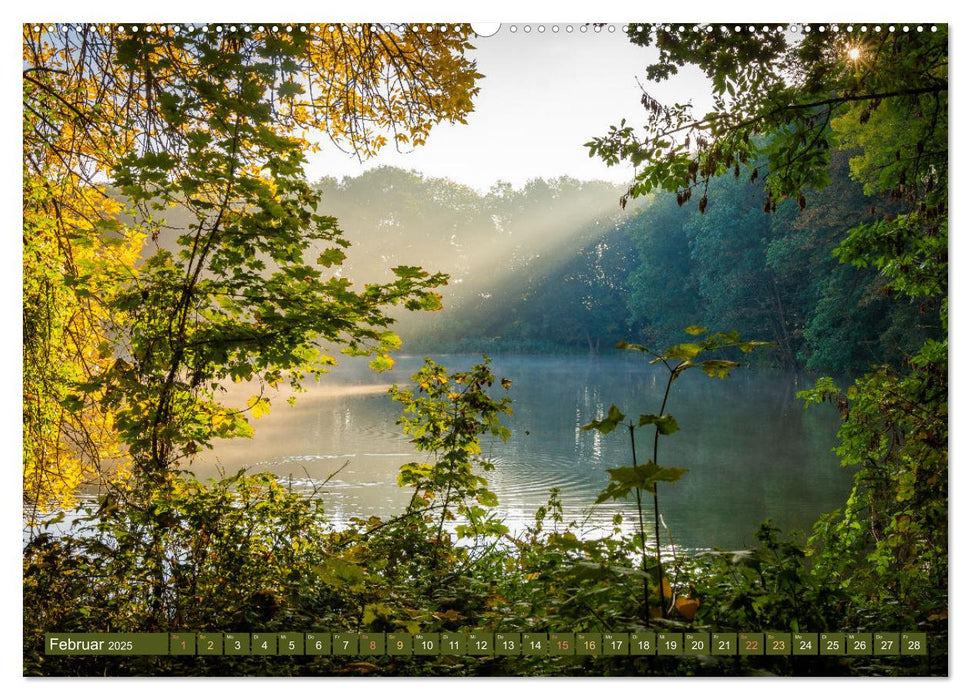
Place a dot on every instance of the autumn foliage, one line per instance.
(165, 209)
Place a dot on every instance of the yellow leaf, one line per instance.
(259, 406)
(687, 607)
(449, 615)
(667, 589)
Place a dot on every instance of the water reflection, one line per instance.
(753, 452)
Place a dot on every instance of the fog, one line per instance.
(340, 439)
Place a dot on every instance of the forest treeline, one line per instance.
(559, 266)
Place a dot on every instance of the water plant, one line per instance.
(445, 415)
(645, 476)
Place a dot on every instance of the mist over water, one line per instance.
(752, 450)
(504, 252)
(537, 268)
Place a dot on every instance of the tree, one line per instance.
(728, 246)
(66, 340)
(774, 275)
(884, 93)
(664, 285)
(215, 124)
(445, 414)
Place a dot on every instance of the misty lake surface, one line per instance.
(752, 450)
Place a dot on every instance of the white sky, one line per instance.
(543, 95)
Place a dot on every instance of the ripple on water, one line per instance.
(737, 479)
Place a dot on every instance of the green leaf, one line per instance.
(330, 257)
(624, 345)
(382, 363)
(643, 476)
(72, 402)
(108, 225)
(413, 473)
(684, 351)
(431, 301)
(608, 424)
(750, 345)
(413, 626)
(408, 272)
(718, 368)
(487, 498)
(666, 424)
(338, 573)
(56, 519)
(696, 330)
(289, 88)
(375, 611)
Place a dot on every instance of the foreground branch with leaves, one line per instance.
(781, 109)
(646, 476)
(171, 240)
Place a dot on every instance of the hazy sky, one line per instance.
(543, 96)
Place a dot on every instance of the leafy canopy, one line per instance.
(789, 102)
(170, 234)
(882, 96)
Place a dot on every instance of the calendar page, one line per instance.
(434, 348)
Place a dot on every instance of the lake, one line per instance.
(752, 450)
